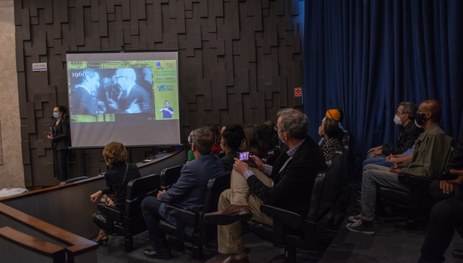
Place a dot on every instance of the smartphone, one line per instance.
(244, 156)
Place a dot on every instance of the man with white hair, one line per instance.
(133, 98)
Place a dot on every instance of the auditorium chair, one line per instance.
(170, 175)
(129, 222)
(190, 226)
(291, 230)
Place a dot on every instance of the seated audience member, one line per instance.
(119, 175)
(338, 115)
(260, 141)
(446, 214)
(275, 150)
(293, 176)
(409, 132)
(331, 143)
(188, 192)
(190, 155)
(216, 134)
(231, 139)
(428, 160)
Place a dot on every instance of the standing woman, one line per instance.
(59, 136)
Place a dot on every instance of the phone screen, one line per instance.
(244, 156)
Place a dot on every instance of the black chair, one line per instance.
(130, 221)
(170, 175)
(190, 226)
(291, 230)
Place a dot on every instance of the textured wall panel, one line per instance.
(239, 61)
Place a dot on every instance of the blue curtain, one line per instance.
(364, 57)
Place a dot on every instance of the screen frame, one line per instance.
(102, 56)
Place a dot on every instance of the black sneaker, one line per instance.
(365, 227)
(354, 218)
(162, 254)
(457, 253)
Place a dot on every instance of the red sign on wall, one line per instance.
(298, 92)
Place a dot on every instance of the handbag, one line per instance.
(108, 199)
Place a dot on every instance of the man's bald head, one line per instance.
(433, 107)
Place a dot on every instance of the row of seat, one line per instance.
(130, 222)
(290, 230)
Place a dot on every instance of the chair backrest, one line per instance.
(326, 190)
(137, 190)
(170, 175)
(215, 187)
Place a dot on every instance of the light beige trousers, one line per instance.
(230, 236)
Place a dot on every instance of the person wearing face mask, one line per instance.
(428, 161)
(290, 185)
(409, 132)
(60, 140)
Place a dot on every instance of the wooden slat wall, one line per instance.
(239, 61)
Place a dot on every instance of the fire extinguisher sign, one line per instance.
(298, 92)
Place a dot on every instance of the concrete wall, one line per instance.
(11, 168)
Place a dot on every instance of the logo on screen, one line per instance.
(170, 64)
(164, 87)
(159, 65)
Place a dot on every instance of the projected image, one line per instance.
(111, 91)
(120, 91)
(167, 111)
(129, 97)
